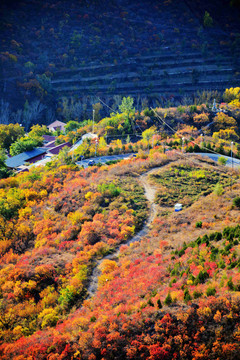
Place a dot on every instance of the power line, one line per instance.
(187, 156)
(163, 120)
(165, 123)
(117, 113)
(125, 135)
(106, 105)
(203, 147)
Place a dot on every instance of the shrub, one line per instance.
(198, 224)
(211, 291)
(226, 231)
(237, 231)
(236, 202)
(168, 300)
(197, 294)
(49, 317)
(150, 303)
(159, 304)
(214, 250)
(191, 277)
(207, 20)
(205, 239)
(199, 240)
(173, 281)
(222, 160)
(109, 189)
(218, 190)
(211, 236)
(192, 109)
(221, 264)
(187, 296)
(202, 276)
(67, 297)
(230, 236)
(218, 236)
(230, 284)
(181, 252)
(227, 248)
(12, 57)
(29, 65)
(148, 112)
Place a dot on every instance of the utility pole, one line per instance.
(95, 148)
(183, 145)
(93, 121)
(232, 162)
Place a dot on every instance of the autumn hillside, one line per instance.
(96, 261)
(173, 294)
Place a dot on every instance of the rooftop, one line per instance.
(49, 138)
(57, 125)
(20, 159)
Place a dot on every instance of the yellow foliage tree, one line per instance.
(223, 121)
(235, 103)
(231, 94)
(201, 118)
(227, 134)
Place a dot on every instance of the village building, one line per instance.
(57, 125)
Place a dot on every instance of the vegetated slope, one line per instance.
(142, 48)
(185, 183)
(54, 224)
(161, 299)
(150, 194)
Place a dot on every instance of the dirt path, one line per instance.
(150, 195)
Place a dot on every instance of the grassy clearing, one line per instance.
(185, 183)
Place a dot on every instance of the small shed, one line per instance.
(178, 207)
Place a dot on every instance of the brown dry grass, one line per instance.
(215, 212)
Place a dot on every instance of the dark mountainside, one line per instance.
(156, 51)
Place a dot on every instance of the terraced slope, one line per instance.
(133, 48)
(180, 55)
(158, 73)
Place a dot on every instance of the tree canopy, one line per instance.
(9, 134)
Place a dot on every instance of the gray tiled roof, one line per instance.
(20, 159)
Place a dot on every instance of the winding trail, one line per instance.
(150, 195)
